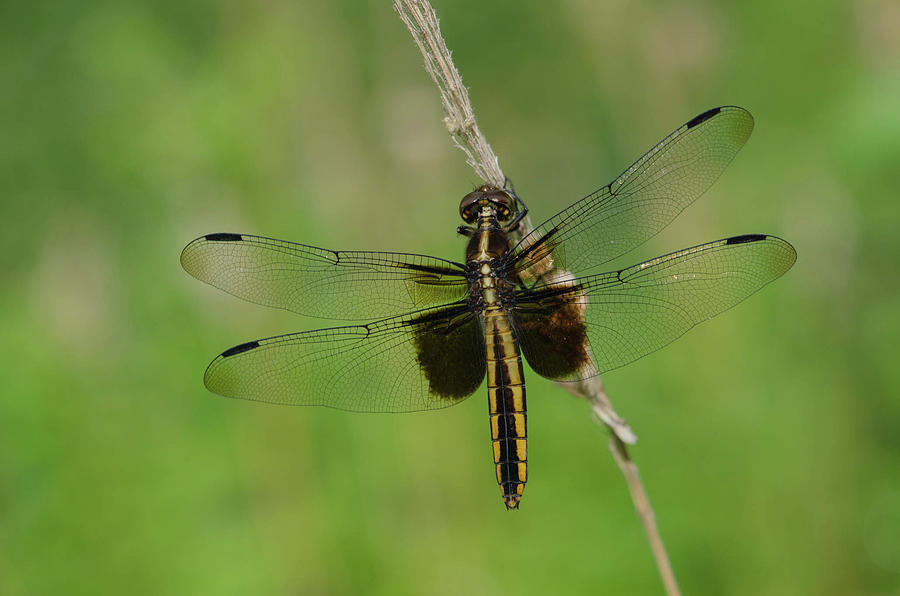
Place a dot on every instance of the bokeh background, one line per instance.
(769, 437)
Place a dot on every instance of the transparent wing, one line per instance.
(346, 285)
(578, 328)
(643, 200)
(422, 361)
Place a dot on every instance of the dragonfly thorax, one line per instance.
(488, 241)
(486, 272)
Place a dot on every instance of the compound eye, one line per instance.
(505, 207)
(466, 207)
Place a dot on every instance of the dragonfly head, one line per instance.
(488, 201)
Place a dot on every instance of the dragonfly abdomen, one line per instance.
(506, 400)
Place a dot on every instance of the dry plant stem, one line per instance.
(592, 390)
(620, 433)
(422, 22)
(645, 512)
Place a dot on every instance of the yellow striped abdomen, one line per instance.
(506, 398)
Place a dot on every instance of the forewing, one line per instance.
(574, 329)
(643, 200)
(344, 285)
(426, 360)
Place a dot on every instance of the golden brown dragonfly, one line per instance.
(430, 330)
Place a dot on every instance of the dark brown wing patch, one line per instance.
(450, 351)
(549, 325)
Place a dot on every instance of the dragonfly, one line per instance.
(423, 333)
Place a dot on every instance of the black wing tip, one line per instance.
(701, 118)
(223, 237)
(745, 238)
(217, 237)
(790, 253)
(239, 349)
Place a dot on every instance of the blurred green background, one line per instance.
(769, 437)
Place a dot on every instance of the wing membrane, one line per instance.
(426, 360)
(643, 200)
(346, 285)
(574, 329)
